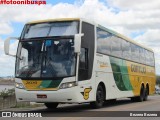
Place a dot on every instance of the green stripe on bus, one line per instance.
(120, 73)
(51, 83)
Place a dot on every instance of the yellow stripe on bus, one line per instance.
(139, 74)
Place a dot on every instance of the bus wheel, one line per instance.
(100, 97)
(146, 94)
(139, 98)
(51, 105)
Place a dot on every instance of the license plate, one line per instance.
(41, 96)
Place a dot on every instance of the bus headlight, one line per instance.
(19, 85)
(67, 85)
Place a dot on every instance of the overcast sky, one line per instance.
(136, 19)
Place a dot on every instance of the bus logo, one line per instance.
(86, 93)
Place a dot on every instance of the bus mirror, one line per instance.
(77, 43)
(7, 45)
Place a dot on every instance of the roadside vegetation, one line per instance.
(8, 100)
(5, 93)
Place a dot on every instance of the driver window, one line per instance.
(83, 63)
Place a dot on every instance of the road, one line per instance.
(120, 108)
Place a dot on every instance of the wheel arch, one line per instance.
(142, 84)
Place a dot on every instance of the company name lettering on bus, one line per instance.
(31, 82)
(139, 69)
(102, 64)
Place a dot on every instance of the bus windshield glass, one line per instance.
(51, 58)
(50, 29)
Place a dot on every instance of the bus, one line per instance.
(72, 60)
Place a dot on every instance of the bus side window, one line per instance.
(126, 50)
(83, 60)
(116, 48)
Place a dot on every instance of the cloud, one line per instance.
(135, 4)
(150, 38)
(7, 63)
(136, 16)
(5, 28)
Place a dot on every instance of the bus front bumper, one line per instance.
(69, 95)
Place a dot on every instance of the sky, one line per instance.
(136, 19)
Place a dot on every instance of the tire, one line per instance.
(146, 93)
(134, 99)
(141, 97)
(100, 97)
(51, 105)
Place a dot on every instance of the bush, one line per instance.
(6, 93)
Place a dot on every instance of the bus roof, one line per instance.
(100, 26)
(53, 20)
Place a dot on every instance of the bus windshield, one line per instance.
(51, 58)
(50, 29)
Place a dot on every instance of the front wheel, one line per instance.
(51, 105)
(100, 97)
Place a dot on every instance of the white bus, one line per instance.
(76, 61)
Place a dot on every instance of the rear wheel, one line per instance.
(100, 97)
(141, 97)
(146, 93)
(51, 105)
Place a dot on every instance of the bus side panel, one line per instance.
(123, 78)
(141, 74)
(117, 84)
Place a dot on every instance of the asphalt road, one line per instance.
(121, 109)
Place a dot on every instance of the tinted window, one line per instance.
(152, 59)
(135, 52)
(83, 59)
(109, 44)
(87, 43)
(116, 47)
(149, 58)
(126, 49)
(142, 55)
(51, 29)
(103, 41)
